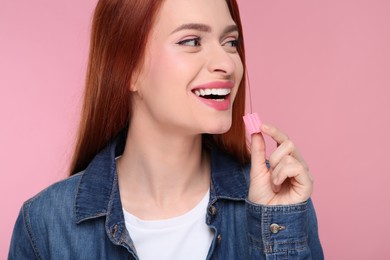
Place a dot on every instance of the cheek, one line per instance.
(170, 67)
(239, 69)
(238, 74)
(168, 78)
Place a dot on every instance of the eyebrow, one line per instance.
(204, 28)
(230, 28)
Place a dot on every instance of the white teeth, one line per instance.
(223, 91)
(213, 91)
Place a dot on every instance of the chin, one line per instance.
(220, 128)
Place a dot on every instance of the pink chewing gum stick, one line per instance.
(252, 123)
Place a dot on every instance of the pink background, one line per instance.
(319, 70)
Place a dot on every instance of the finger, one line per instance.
(286, 148)
(290, 167)
(274, 133)
(258, 154)
(276, 188)
(280, 137)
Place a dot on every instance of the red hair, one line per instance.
(119, 35)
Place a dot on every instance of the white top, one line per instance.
(183, 237)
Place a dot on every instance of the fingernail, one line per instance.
(265, 127)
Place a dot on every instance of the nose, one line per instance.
(220, 61)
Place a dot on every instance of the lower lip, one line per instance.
(218, 105)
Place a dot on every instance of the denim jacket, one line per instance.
(81, 217)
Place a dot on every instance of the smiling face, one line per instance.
(192, 69)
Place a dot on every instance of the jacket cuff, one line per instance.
(278, 228)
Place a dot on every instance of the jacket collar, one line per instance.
(98, 191)
(229, 179)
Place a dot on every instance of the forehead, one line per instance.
(173, 13)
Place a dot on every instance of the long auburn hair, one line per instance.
(120, 31)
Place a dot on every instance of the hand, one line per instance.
(288, 180)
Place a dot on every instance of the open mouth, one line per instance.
(219, 94)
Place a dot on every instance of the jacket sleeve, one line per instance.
(21, 244)
(283, 232)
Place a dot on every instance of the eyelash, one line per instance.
(197, 41)
(186, 42)
(235, 43)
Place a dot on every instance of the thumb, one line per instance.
(258, 155)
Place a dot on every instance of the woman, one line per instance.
(161, 169)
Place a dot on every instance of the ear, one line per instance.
(134, 82)
(133, 87)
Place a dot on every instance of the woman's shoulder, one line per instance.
(57, 197)
(47, 222)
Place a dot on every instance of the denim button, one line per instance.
(213, 210)
(114, 230)
(219, 238)
(275, 228)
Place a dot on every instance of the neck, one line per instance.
(162, 168)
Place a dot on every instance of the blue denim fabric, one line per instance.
(81, 218)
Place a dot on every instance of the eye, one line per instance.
(193, 42)
(232, 43)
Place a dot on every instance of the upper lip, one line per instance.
(215, 84)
